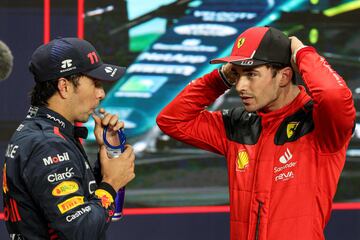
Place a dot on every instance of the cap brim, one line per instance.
(238, 60)
(106, 72)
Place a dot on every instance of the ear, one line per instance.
(63, 87)
(286, 76)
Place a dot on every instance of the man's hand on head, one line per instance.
(228, 73)
(296, 45)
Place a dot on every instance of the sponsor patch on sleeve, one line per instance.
(105, 197)
(65, 188)
(70, 203)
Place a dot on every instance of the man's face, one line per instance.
(86, 97)
(257, 88)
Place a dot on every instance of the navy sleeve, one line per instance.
(55, 176)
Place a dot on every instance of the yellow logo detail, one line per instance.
(105, 197)
(241, 42)
(70, 203)
(65, 188)
(5, 187)
(290, 128)
(242, 160)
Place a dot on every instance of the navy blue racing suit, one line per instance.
(49, 188)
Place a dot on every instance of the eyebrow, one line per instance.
(253, 69)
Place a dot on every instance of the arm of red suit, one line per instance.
(334, 112)
(186, 118)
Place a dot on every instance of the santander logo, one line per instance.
(285, 157)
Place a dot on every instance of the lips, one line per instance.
(246, 99)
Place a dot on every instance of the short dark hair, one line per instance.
(277, 67)
(42, 91)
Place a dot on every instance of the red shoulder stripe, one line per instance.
(57, 132)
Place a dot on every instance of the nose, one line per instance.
(242, 84)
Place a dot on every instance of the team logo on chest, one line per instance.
(242, 160)
(285, 171)
(286, 156)
(290, 128)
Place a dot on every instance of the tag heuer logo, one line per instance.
(290, 128)
(241, 42)
(242, 160)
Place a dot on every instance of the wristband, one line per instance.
(223, 77)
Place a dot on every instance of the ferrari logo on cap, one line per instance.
(290, 128)
(240, 42)
(242, 160)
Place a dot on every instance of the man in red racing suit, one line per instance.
(285, 148)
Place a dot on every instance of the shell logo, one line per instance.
(242, 161)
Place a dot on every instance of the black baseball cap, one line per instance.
(257, 46)
(67, 56)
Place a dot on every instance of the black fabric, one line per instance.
(274, 48)
(245, 128)
(303, 121)
(241, 126)
(80, 132)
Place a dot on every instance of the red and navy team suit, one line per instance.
(50, 190)
(283, 166)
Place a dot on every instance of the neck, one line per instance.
(58, 105)
(286, 96)
(289, 95)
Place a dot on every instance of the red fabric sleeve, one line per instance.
(334, 112)
(186, 118)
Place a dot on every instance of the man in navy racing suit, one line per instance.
(50, 189)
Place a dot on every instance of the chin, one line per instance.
(83, 120)
(250, 108)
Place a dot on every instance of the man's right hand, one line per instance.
(109, 120)
(296, 44)
(120, 170)
(228, 73)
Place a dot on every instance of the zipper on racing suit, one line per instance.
(258, 222)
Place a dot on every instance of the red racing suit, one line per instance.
(283, 166)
